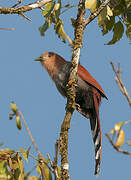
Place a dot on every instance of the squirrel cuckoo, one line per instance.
(88, 94)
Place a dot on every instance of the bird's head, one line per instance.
(47, 56)
(52, 62)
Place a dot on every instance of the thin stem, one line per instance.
(7, 29)
(115, 147)
(120, 82)
(29, 133)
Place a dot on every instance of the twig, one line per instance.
(35, 146)
(120, 83)
(19, 1)
(29, 133)
(25, 17)
(55, 165)
(97, 12)
(7, 28)
(115, 147)
(42, 170)
(51, 163)
(25, 8)
(41, 159)
(70, 107)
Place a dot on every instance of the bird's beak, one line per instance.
(38, 59)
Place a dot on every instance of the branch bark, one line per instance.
(70, 107)
(96, 13)
(23, 9)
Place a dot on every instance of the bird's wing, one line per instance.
(86, 76)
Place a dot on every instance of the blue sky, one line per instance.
(28, 84)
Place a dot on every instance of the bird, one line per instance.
(88, 94)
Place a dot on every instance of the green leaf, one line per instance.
(25, 153)
(48, 8)
(17, 164)
(28, 151)
(41, 166)
(21, 167)
(43, 28)
(118, 31)
(4, 169)
(60, 31)
(118, 7)
(105, 21)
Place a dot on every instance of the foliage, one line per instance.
(118, 134)
(12, 167)
(11, 161)
(115, 18)
(51, 13)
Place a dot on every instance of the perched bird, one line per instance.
(88, 94)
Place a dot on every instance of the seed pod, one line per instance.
(13, 107)
(11, 116)
(18, 122)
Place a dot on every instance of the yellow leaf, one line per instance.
(57, 5)
(33, 178)
(109, 13)
(118, 126)
(90, 3)
(120, 139)
(13, 107)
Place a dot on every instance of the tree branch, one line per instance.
(25, 8)
(115, 147)
(120, 83)
(97, 12)
(7, 29)
(70, 107)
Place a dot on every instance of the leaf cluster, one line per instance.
(115, 17)
(12, 166)
(51, 13)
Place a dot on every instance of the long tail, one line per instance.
(93, 115)
(96, 133)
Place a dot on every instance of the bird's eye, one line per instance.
(50, 54)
